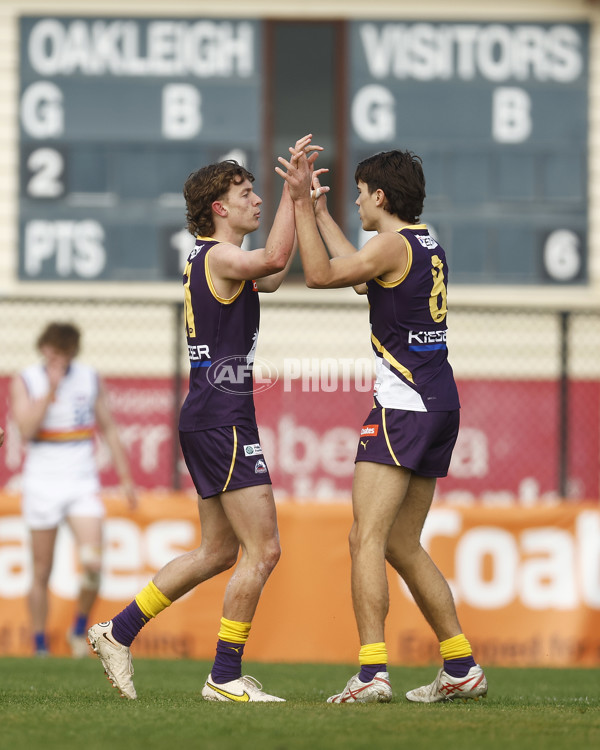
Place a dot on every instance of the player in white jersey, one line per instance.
(58, 404)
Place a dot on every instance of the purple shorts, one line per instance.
(421, 441)
(224, 458)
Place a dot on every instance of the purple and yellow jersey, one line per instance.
(408, 330)
(221, 336)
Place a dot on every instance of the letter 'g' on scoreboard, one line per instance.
(114, 114)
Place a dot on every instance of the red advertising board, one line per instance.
(507, 449)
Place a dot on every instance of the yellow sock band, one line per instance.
(151, 601)
(234, 632)
(455, 648)
(373, 653)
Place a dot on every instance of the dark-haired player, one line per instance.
(217, 427)
(408, 437)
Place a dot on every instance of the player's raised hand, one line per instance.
(317, 190)
(305, 146)
(299, 169)
(56, 365)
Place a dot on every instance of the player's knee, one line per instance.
(229, 558)
(353, 537)
(223, 555)
(359, 541)
(90, 557)
(271, 553)
(402, 556)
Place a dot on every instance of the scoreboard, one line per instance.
(114, 115)
(498, 112)
(116, 112)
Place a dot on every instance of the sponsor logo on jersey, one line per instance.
(253, 450)
(369, 429)
(427, 241)
(199, 355)
(419, 341)
(197, 249)
(261, 467)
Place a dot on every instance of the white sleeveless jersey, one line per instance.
(64, 448)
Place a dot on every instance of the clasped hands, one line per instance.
(300, 175)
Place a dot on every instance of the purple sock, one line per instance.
(128, 623)
(459, 667)
(368, 671)
(228, 662)
(80, 625)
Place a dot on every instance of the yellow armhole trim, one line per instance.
(232, 458)
(387, 284)
(387, 439)
(211, 286)
(392, 360)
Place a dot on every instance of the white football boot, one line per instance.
(115, 658)
(446, 688)
(378, 690)
(244, 690)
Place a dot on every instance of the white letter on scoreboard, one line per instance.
(181, 116)
(511, 115)
(42, 114)
(373, 114)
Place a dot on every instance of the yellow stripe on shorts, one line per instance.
(387, 438)
(232, 458)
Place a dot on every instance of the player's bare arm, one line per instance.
(110, 433)
(272, 283)
(381, 256)
(335, 240)
(29, 413)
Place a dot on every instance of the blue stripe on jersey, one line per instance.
(426, 347)
(205, 363)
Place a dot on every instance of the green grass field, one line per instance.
(62, 703)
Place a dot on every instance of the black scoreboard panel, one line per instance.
(116, 112)
(114, 115)
(498, 112)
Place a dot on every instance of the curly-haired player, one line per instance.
(217, 428)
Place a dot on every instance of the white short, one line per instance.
(46, 504)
